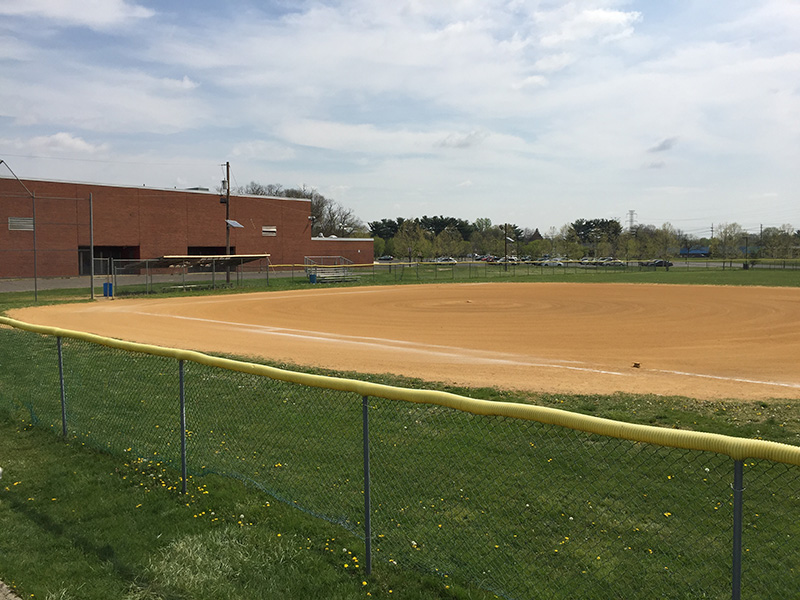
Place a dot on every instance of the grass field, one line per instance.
(697, 273)
(114, 494)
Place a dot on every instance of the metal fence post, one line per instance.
(367, 510)
(738, 476)
(182, 393)
(63, 389)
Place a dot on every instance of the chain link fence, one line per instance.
(469, 490)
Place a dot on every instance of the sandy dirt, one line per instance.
(699, 341)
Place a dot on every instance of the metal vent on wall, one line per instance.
(20, 223)
(269, 231)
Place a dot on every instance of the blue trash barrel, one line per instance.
(108, 289)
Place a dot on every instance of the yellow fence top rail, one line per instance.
(736, 448)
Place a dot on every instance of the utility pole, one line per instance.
(227, 208)
(505, 251)
(227, 219)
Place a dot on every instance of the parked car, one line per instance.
(386, 258)
(445, 259)
(552, 262)
(657, 262)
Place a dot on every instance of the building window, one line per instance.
(20, 223)
(269, 231)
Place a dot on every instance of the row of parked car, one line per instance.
(547, 261)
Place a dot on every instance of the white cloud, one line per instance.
(262, 150)
(100, 99)
(534, 81)
(96, 14)
(462, 140)
(52, 145)
(178, 85)
(569, 24)
(554, 62)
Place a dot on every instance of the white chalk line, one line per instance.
(456, 354)
(731, 379)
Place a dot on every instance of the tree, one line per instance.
(257, 189)
(725, 244)
(437, 225)
(601, 235)
(412, 240)
(665, 241)
(776, 242)
(385, 228)
(484, 236)
(328, 217)
(449, 242)
(332, 219)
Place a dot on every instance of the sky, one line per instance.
(532, 112)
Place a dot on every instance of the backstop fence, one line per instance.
(524, 501)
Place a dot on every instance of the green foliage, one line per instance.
(593, 230)
(78, 524)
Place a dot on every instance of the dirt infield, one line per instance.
(698, 341)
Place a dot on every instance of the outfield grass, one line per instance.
(78, 524)
(386, 274)
(98, 538)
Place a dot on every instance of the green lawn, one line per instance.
(386, 274)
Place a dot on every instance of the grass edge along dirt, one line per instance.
(736, 448)
(428, 273)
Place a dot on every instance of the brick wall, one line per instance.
(154, 221)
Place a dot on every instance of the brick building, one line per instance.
(142, 223)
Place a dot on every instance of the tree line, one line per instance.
(432, 236)
(449, 236)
